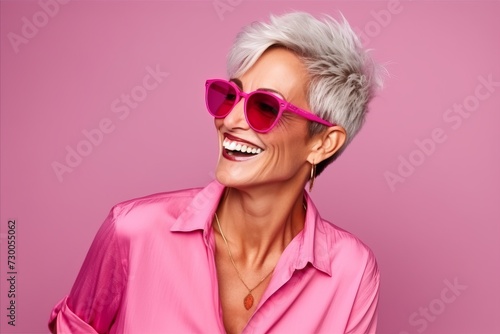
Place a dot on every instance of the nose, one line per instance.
(236, 117)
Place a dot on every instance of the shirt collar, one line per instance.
(314, 244)
(198, 215)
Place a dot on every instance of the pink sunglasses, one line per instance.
(262, 109)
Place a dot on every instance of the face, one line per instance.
(279, 155)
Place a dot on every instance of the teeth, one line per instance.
(244, 148)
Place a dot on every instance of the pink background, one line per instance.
(440, 225)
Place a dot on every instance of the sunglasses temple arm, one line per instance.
(307, 115)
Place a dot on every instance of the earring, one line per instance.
(312, 177)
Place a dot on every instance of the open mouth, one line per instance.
(238, 149)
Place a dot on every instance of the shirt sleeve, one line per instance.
(94, 300)
(363, 317)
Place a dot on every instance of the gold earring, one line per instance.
(312, 177)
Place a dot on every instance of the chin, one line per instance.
(230, 177)
(236, 177)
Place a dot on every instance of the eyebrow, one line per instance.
(240, 85)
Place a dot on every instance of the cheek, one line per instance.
(289, 143)
(290, 132)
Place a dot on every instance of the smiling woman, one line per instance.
(249, 252)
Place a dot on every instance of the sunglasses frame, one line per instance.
(283, 106)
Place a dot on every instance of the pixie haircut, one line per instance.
(342, 75)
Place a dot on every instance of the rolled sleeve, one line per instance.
(64, 321)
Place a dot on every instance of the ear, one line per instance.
(325, 144)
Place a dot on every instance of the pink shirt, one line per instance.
(151, 269)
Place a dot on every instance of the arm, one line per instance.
(94, 301)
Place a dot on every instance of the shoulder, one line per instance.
(153, 211)
(346, 249)
(169, 201)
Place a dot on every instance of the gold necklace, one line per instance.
(248, 300)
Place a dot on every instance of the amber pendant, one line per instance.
(248, 301)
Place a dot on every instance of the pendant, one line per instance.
(248, 301)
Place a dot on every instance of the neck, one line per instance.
(260, 222)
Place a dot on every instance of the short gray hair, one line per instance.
(343, 76)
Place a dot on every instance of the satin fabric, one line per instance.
(151, 269)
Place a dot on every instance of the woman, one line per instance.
(249, 253)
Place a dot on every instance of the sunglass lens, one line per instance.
(262, 111)
(221, 97)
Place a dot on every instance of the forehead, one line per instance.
(278, 69)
